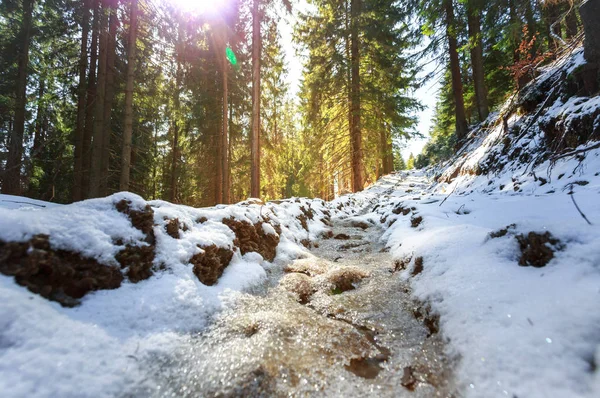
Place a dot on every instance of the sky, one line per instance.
(426, 94)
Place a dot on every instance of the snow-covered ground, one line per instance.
(514, 329)
(93, 349)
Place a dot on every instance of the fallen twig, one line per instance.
(578, 209)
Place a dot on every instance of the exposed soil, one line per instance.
(537, 249)
(210, 263)
(57, 275)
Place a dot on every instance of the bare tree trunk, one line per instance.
(255, 137)
(457, 87)
(356, 137)
(481, 93)
(108, 98)
(98, 130)
(349, 82)
(89, 106)
(589, 11)
(224, 133)
(39, 138)
(128, 130)
(11, 183)
(81, 101)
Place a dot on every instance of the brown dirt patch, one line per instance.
(537, 249)
(252, 238)
(57, 275)
(210, 263)
(344, 279)
(418, 268)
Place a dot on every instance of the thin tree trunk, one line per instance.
(481, 93)
(457, 87)
(356, 137)
(89, 106)
(128, 130)
(81, 100)
(97, 135)
(39, 137)
(175, 122)
(224, 133)
(255, 137)
(108, 98)
(11, 183)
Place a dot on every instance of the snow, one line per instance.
(519, 331)
(95, 348)
(514, 331)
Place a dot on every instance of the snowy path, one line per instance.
(357, 342)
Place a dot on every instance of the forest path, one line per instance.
(338, 323)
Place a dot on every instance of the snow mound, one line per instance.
(159, 255)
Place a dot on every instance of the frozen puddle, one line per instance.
(308, 334)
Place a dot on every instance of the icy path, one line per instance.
(317, 341)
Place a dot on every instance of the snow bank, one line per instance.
(94, 349)
(516, 331)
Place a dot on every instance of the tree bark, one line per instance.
(98, 130)
(109, 96)
(39, 138)
(81, 101)
(356, 136)
(90, 106)
(589, 11)
(476, 46)
(457, 87)
(255, 135)
(128, 123)
(224, 132)
(176, 122)
(11, 183)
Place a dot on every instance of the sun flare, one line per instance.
(197, 6)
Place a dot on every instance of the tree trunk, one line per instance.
(476, 46)
(589, 11)
(89, 106)
(39, 138)
(356, 137)
(128, 123)
(98, 130)
(81, 101)
(255, 138)
(571, 21)
(12, 176)
(224, 133)
(109, 96)
(457, 87)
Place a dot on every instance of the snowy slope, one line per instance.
(517, 331)
(93, 349)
